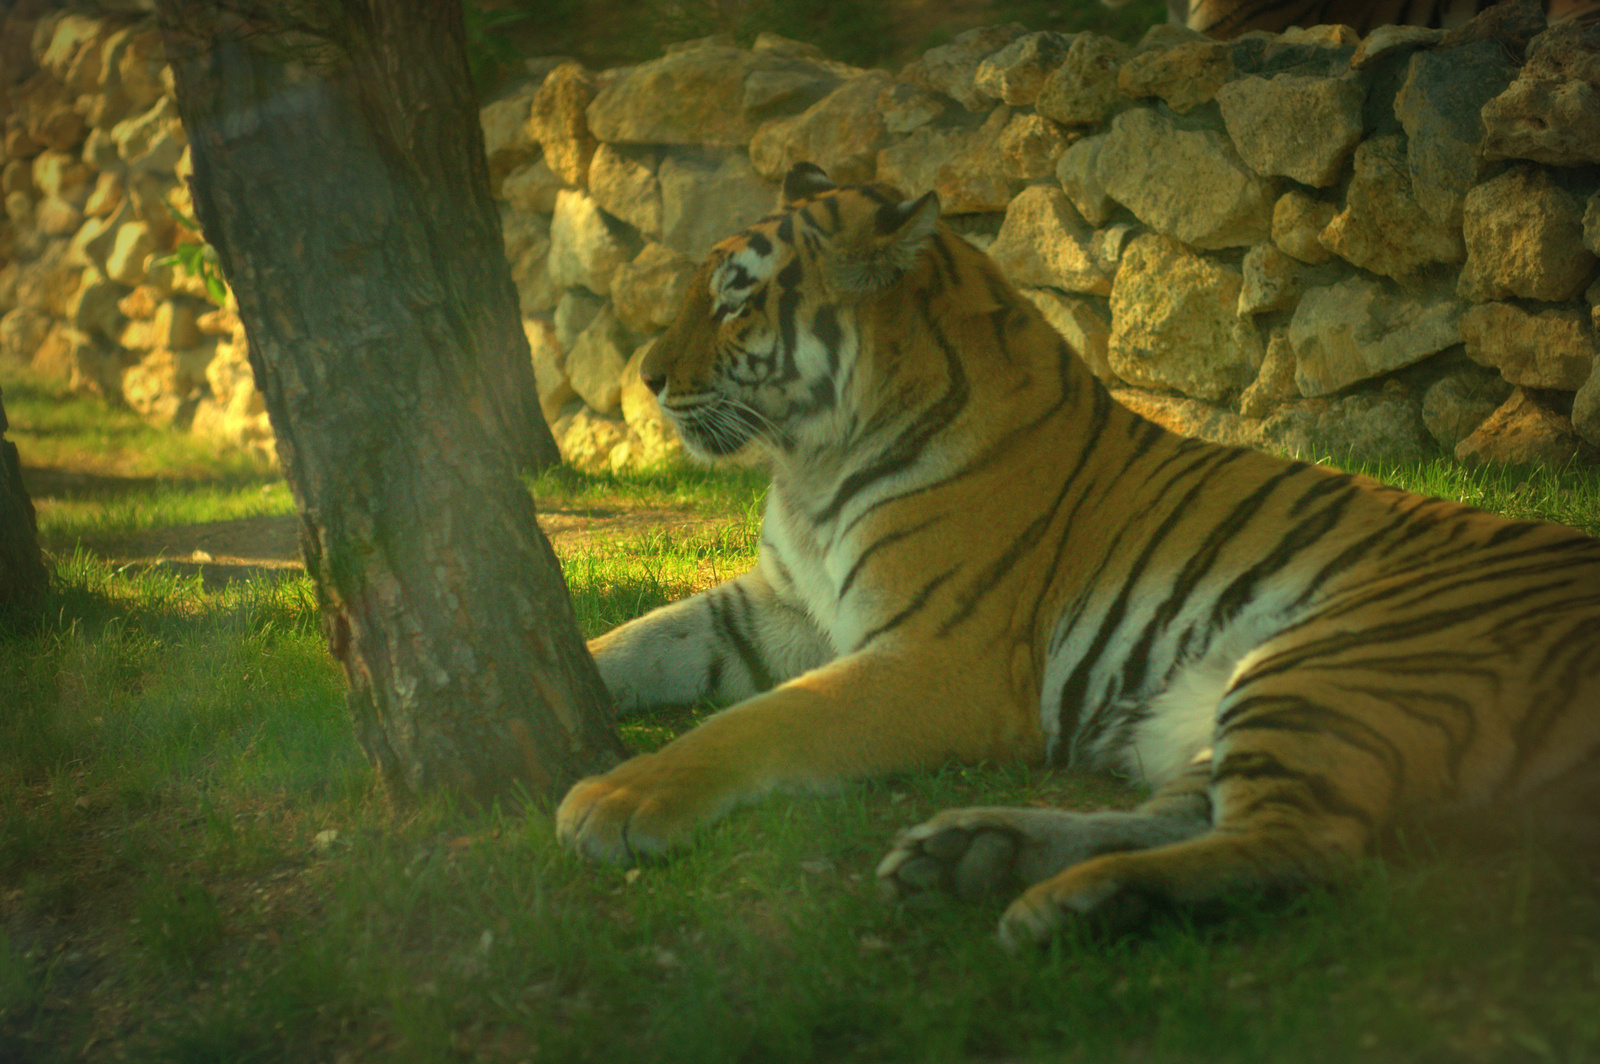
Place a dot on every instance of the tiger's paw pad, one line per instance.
(937, 860)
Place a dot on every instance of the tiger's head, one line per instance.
(766, 347)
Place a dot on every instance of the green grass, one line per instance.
(194, 866)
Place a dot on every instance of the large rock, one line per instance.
(979, 178)
(575, 311)
(549, 368)
(527, 241)
(706, 196)
(73, 48)
(906, 108)
(132, 248)
(1586, 408)
(1272, 281)
(1187, 183)
(558, 122)
(623, 181)
(911, 164)
(1175, 323)
(1438, 106)
(1190, 417)
(1459, 401)
(588, 440)
(1551, 113)
(1298, 221)
(153, 141)
(1083, 90)
(506, 144)
(1524, 237)
(93, 307)
(586, 244)
(532, 187)
(1046, 243)
(1030, 146)
(1361, 328)
(1383, 426)
(594, 365)
(1184, 76)
(1553, 348)
(651, 438)
(133, 62)
(1078, 171)
(1521, 431)
(951, 68)
(1015, 74)
(841, 133)
(1274, 384)
(708, 93)
(1293, 126)
(1382, 228)
(61, 175)
(647, 293)
(22, 330)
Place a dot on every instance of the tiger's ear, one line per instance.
(872, 258)
(803, 181)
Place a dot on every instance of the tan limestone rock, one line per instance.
(647, 292)
(1362, 328)
(1083, 89)
(1524, 237)
(1015, 74)
(1174, 322)
(1046, 243)
(1382, 227)
(950, 69)
(1521, 431)
(558, 122)
(1294, 126)
(1187, 183)
(1551, 348)
(1184, 76)
(1457, 403)
(1274, 384)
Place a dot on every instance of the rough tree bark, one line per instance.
(22, 574)
(339, 173)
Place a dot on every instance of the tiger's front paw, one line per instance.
(644, 806)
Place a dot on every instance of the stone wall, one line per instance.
(93, 173)
(1307, 242)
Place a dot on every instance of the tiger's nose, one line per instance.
(654, 381)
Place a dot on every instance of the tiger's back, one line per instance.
(970, 551)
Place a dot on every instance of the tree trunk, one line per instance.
(23, 579)
(339, 173)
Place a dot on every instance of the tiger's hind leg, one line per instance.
(991, 851)
(1295, 801)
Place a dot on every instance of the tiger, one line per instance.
(1226, 19)
(971, 553)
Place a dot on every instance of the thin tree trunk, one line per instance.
(23, 579)
(339, 173)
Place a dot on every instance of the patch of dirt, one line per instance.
(222, 551)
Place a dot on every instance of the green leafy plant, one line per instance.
(196, 258)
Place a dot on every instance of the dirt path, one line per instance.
(221, 551)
